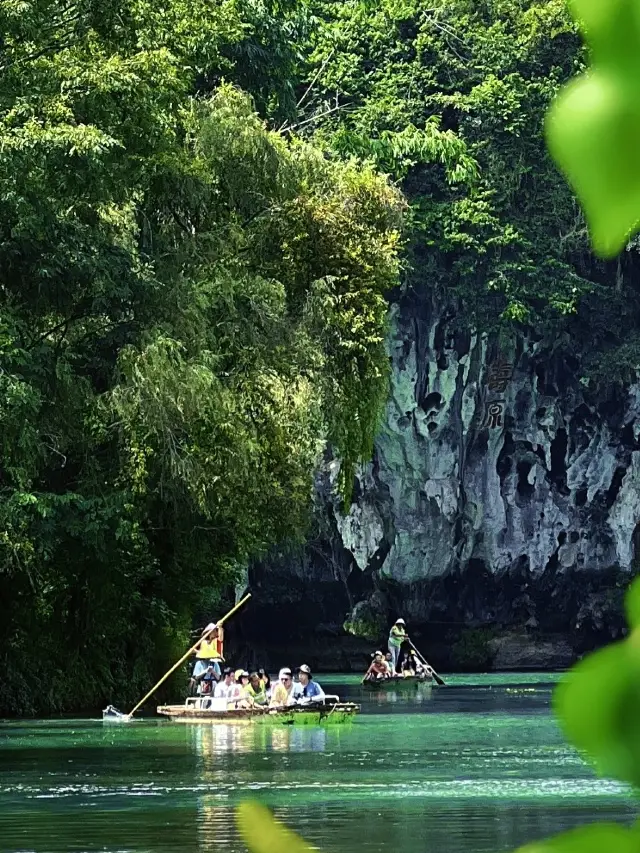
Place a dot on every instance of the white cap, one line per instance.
(210, 627)
(284, 671)
(400, 622)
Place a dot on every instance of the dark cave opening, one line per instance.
(558, 473)
(504, 463)
(524, 488)
(614, 488)
(432, 401)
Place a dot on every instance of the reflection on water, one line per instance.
(215, 821)
(414, 693)
(474, 767)
(210, 741)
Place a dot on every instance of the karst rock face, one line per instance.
(503, 495)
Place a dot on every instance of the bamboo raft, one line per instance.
(330, 712)
(397, 682)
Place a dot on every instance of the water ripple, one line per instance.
(479, 769)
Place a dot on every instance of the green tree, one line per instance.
(450, 100)
(191, 307)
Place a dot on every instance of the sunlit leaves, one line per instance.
(450, 99)
(593, 129)
(396, 152)
(192, 306)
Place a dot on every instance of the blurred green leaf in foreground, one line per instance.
(593, 128)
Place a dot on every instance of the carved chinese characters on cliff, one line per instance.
(500, 373)
(495, 415)
(499, 376)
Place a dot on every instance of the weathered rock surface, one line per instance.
(502, 493)
(520, 651)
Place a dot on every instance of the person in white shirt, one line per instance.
(226, 688)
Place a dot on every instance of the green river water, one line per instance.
(476, 766)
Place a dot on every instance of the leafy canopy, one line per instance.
(451, 100)
(191, 307)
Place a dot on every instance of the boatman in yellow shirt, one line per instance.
(209, 652)
(397, 636)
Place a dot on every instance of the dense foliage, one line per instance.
(196, 249)
(496, 230)
(190, 307)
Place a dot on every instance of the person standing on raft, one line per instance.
(397, 636)
(209, 653)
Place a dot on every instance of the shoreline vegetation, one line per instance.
(205, 210)
(193, 306)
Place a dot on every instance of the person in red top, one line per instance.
(378, 670)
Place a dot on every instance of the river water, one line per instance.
(476, 766)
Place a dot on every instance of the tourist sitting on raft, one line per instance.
(242, 697)
(226, 688)
(207, 681)
(408, 666)
(378, 670)
(282, 690)
(257, 690)
(307, 690)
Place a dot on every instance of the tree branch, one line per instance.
(317, 117)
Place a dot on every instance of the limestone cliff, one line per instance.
(503, 499)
